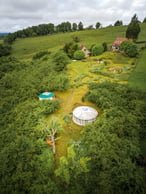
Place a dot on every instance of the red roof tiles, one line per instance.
(119, 41)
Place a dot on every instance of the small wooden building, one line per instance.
(85, 50)
(116, 44)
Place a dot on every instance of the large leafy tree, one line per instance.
(74, 27)
(98, 25)
(118, 23)
(4, 50)
(80, 26)
(70, 48)
(133, 28)
(129, 48)
(61, 60)
(72, 171)
(144, 20)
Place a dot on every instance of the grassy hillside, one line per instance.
(138, 77)
(26, 48)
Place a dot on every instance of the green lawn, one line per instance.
(138, 77)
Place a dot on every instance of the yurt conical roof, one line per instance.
(46, 95)
(84, 114)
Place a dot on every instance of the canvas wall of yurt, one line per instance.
(84, 114)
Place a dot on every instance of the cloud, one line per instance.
(18, 14)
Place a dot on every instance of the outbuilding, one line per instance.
(46, 96)
(84, 114)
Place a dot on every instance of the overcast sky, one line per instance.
(18, 14)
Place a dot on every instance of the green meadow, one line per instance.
(138, 76)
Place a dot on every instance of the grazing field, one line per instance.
(138, 76)
(27, 47)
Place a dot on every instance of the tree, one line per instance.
(80, 26)
(133, 28)
(104, 44)
(144, 20)
(61, 60)
(129, 48)
(4, 50)
(97, 50)
(49, 106)
(118, 23)
(72, 171)
(52, 131)
(90, 27)
(98, 25)
(110, 138)
(79, 55)
(70, 48)
(134, 18)
(74, 27)
(10, 38)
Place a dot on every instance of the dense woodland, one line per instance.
(107, 158)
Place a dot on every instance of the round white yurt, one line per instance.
(46, 96)
(84, 114)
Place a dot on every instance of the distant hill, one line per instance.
(3, 34)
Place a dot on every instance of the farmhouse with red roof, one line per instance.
(116, 44)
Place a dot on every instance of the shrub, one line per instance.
(129, 48)
(70, 48)
(76, 39)
(79, 55)
(61, 60)
(41, 54)
(4, 50)
(97, 50)
(104, 44)
(49, 106)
